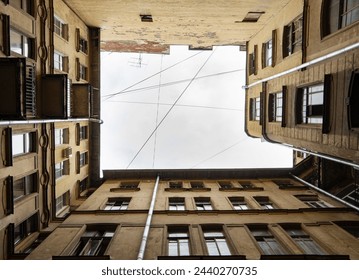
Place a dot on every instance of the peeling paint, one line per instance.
(133, 46)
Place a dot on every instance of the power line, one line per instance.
(177, 105)
(173, 105)
(108, 96)
(158, 106)
(174, 82)
(221, 152)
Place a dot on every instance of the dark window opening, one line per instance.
(146, 18)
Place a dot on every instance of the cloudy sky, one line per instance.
(198, 112)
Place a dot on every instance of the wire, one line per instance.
(221, 152)
(175, 82)
(158, 106)
(178, 105)
(173, 105)
(108, 96)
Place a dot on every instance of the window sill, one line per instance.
(24, 244)
(60, 37)
(63, 212)
(124, 190)
(22, 200)
(200, 189)
(314, 126)
(20, 157)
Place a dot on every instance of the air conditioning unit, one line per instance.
(18, 88)
(67, 153)
(56, 96)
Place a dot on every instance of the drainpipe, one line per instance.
(324, 192)
(141, 252)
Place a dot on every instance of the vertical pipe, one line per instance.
(141, 252)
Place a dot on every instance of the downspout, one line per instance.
(141, 252)
(324, 192)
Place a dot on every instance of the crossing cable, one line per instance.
(158, 107)
(178, 105)
(221, 152)
(173, 105)
(175, 82)
(108, 96)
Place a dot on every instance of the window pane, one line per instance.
(184, 247)
(212, 248)
(15, 42)
(309, 246)
(172, 248)
(223, 247)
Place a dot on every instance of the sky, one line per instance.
(195, 119)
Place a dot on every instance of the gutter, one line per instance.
(141, 252)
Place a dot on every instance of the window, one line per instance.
(216, 243)
(303, 240)
(239, 203)
(225, 185)
(178, 241)
(26, 228)
(252, 16)
(176, 204)
(255, 109)
(83, 159)
(83, 72)
(176, 185)
(21, 44)
(146, 18)
(25, 186)
(203, 203)
(61, 136)
(129, 185)
(338, 14)
(353, 104)
(61, 169)
(94, 241)
(62, 201)
(267, 51)
(117, 203)
(83, 45)
(25, 5)
(252, 63)
(292, 37)
(83, 133)
(309, 107)
(264, 202)
(275, 107)
(313, 201)
(197, 185)
(83, 185)
(266, 241)
(60, 61)
(23, 143)
(247, 185)
(60, 28)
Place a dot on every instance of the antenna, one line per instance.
(137, 61)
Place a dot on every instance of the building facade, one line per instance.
(205, 214)
(50, 80)
(301, 79)
(299, 93)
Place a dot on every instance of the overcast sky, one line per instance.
(205, 129)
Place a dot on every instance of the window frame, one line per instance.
(267, 53)
(266, 241)
(265, 202)
(60, 28)
(176, 204)
(239, 203)
(62, 203)
(274, 106)
(28, 185)
(313, 201)
(331, 24)
(292, 37)
(117, 204)
(303, 240)
(26, 44)
(203, 204)
(29, 143)
(178, 235)
(214, 237)
(61, 169)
